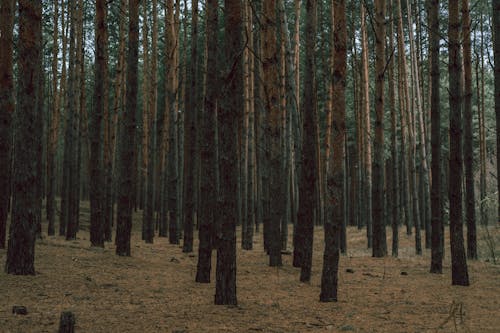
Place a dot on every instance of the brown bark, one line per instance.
(436, 206)
(126, 179)
(458, 260)
(335, 172)
(7, 106)
(21, 244)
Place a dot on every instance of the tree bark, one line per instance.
(436, 206)
(7, 106)
(208, 197)
(335, 171)
(379, 236)
(468, 150)
(308, 176)
(229, 115)
(126, 179)
(496, 47)
(21, 244)
(458, 260)
(273, 129)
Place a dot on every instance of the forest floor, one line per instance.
(154, 290)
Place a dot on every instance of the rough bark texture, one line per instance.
(496, 44)
(7, 111)
(21, 244)
(379, 237)
(458, 260)
(436, 214)
(229, 115)
(335, 171)
(208, 195)
(171, 122)
(309, 169)
(96, 162)
(126, 179)
(394, 169)
(273, 129)
(470, 209)
(366, 133)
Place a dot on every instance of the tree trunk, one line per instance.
(7, 106)
(379, 236)
(458, 260)
(308, 175)
(229, 115)
(96, 162)
(496, 47)
(394, 172)
(335, 171)
(208, 197)
(190, 136)
(366, 130)
(436, 213)
(126, 179)
(21, 244)
(273, 129)
(468, 137)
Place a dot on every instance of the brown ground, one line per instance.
(154, 291)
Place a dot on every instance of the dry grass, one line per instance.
(154, 291)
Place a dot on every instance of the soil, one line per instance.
(154, 290)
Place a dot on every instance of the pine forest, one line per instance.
(249, 166)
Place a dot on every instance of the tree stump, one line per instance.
(19, 309)
(67, 323)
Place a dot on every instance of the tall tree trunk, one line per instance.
(458, 260)
(54, 126)
(96, 162)
(482, 135)
(171, 51)
(7, 106)
(436, 213)
(208, 197)
(308, 176)
(190, 136)
(379, 236)
(229, 115)
(366, 130)
(273, 129)
(404, 124)
(335, 171)
(126, 179)
(394, 172)
(21, 244)
(468, 138)
(496, 47)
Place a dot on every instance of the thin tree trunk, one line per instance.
(308, 175)
(126, 179)
(208, 197)
(468, 138)
(379, 236)
(436, 205)
(366, 130)
(496, 47)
